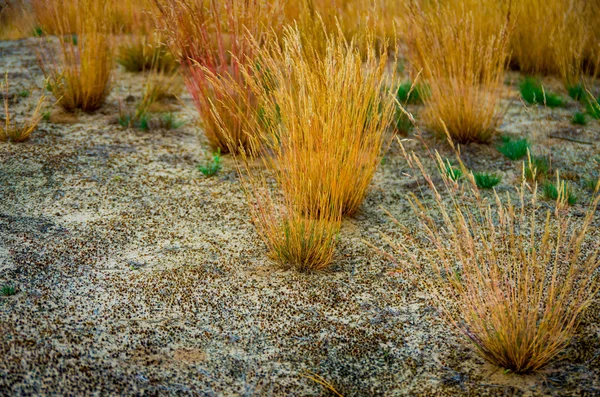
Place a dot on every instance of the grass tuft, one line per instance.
(511, 279)
(411, 94)
(561, 192)
(485, 180)
(144, 53)
(463, 64)
(321, 142)
(7, 290)
(212, 40)
(579, 119)
(79, 76)
(533, 92)
(537, 168)
(212, 166)
(514, 149)
(593, 107)
(577, 92)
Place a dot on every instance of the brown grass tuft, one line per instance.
(79, 76)
(556, 37)
(462, 59)
(513, 279)
(211, 40)
(322, 131)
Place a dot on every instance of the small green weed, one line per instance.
(24, 93)
(593, 107)
(591, 183)
(551, 192)
(577, 92)
(452, 172)
(169, 122)
(8, 290)
(485, 180)
(46, 115)
(514, 149)
(533, 92)
(412, 95)
(403, 124)
(579, 119)
(212, 166)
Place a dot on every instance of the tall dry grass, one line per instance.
(461, 52)
(381, 18)
(14, 23)
(512, 278)
(322, 133)
(78, 63)
(556, 37)
(211, 40)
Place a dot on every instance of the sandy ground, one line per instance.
(136, 275)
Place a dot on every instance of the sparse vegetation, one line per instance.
(533, 92)
(298, 104)
(8, 290)
(579, 119)
(593, 107)
(11, 130)
(537, 168)
(561, 192)
(212, 166)
(514, 149)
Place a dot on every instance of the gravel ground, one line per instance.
(136, 275)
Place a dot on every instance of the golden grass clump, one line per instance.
(18, 132)
(140, 53)
(356, 17)
(143, 47)
(211, 40)
(513, 279)
(14, 22)
(556, 37)
(322, 130)
(79, 76)
(462, 55)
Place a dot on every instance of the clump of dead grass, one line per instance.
(322, 131)
(512, 278)
(556, 37)
(79, 67)
(462, 53)
(211, 40)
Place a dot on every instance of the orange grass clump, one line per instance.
(18, 132)
(79, 76)
(211, 39)
(322, 133)
(512, 279)
(463, 61)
